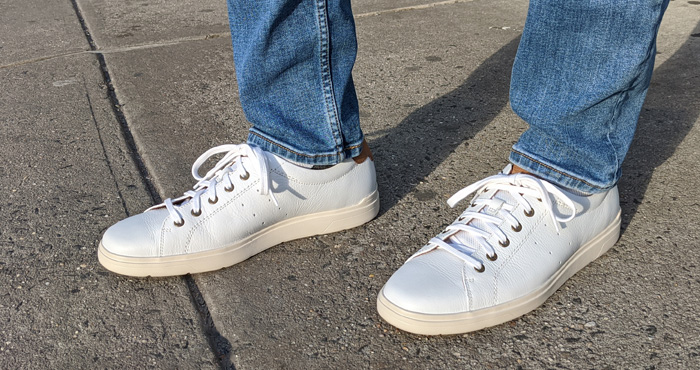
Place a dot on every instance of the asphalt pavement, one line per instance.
(105, 105)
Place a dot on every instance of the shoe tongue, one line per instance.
(500, 198)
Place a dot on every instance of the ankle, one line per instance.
(517, 169)
(364, 154)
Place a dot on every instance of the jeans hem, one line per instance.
(298, 156)
(554, 175)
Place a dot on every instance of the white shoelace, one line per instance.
(231, 164)
(470, 232)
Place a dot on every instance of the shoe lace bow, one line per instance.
(231, 164)
(488, 214)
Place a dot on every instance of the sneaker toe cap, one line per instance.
(430, 284)
(136, 236)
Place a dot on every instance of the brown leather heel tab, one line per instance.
(364, 154)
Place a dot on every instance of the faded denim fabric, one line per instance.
(293, 66)
(579, 80)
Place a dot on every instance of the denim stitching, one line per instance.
(622, 97)
(326, 77)
(302, 154)
(615, 113)
(554, 169)
(641, 74)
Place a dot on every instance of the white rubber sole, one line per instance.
(445, 324)
(290, 229)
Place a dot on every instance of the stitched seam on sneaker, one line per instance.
(194, 228)
(163, 230)
(465, 283)
(516, 249)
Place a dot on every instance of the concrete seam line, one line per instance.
(41, 59)
(414, 7)
(161, 43)
(116, 107)
(95, 50)
(215, 339)
(219, 344)
(110, 167)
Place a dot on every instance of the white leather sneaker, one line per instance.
(250, 201)
(518, 241)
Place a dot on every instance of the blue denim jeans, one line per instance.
(579, 80)
(294, 60)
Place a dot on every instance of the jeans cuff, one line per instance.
(287, 152)
(547, 171)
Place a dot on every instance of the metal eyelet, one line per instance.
(245, 177)
(530, 213)
(227, 189)
(492, 258)
(182, 222)
(461, 218)
(213, 201)
(483, 267)
(196, 214)
(505, 243)
(539, 199)
(517, 228)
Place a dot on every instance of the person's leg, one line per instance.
(293, 63)
(579, 80)
(294, 60)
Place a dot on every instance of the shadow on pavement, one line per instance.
(436, 129)
(669, 113)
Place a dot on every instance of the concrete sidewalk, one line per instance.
(105, 105)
